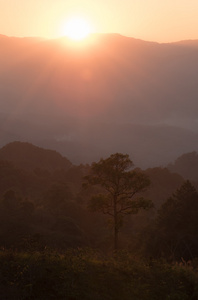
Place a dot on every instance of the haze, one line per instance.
(98, 149)
(117, 94)
(152, 20)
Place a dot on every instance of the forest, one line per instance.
(106, 230)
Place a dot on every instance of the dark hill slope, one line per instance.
(186, 165)
(28, 156)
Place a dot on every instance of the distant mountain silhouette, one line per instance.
(115, 94)
(28, 156)
(186, 165)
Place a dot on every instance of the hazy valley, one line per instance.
(117, 94)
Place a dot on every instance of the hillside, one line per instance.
(186, 165)
(27, 156)
(42, 201)
(115, 94)
(86, 275)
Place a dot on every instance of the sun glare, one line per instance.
(76, 29)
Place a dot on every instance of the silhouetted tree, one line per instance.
(119, 185)
(176, 231)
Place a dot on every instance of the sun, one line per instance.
(76, 28)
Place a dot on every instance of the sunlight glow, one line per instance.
(76, 28)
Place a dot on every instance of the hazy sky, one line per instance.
(153, 20)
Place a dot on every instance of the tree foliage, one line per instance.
(120, 186)
(175, 233)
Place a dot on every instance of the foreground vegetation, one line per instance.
(84, 274)
(46, 204)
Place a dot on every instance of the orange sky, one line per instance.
(153, 20)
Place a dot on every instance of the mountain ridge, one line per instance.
(28, 156)
(52, 95)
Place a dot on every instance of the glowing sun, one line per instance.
(76, 28)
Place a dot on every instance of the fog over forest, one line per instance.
(117, 94)
(98, 168)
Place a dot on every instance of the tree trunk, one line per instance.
(115, 224)
(115, 237)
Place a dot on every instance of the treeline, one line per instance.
(43, 205)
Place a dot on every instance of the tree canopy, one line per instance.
(175, 233)
(120, 186)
